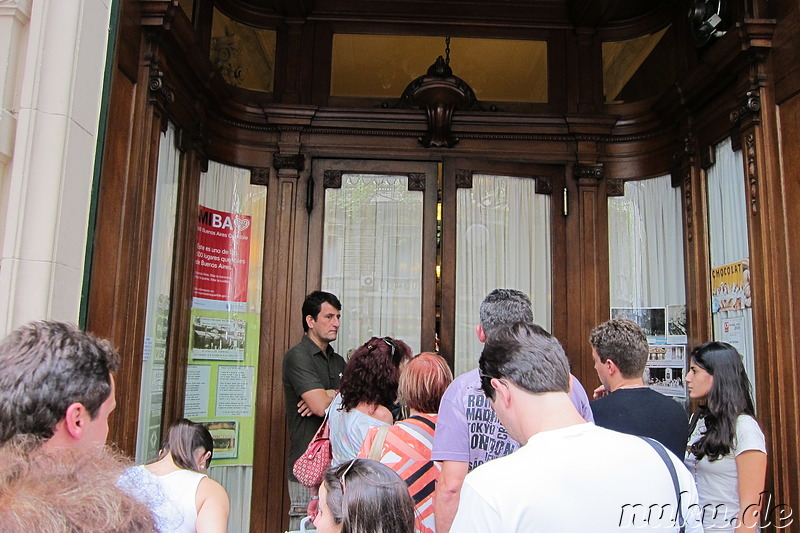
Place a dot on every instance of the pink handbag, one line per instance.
(310, 467)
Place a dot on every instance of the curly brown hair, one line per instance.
(373, 371)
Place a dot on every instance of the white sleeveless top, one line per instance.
(171, 498)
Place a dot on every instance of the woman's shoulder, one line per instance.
(749, 435)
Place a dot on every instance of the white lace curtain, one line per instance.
(502, 241)
(372, 258)
(645, 244)
(727, 228)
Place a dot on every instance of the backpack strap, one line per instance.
(662, 452)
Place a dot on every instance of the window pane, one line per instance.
(151, 400)
(372, 258)
(244, 55)
(646, 276)
(502, 241)
(226, 318)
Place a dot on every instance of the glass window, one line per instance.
(226, 318)
(732, 314)
(502, 241)
(646, 276)
(151, 399)
(244, 55)
(381, 66)
(372, 258)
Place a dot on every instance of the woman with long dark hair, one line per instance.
(367, 391)
(726, 452)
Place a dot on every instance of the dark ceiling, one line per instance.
(533, 13)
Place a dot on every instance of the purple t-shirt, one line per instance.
(468, 429)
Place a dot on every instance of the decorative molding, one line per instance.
(708, 158)
(687, 196)
(416, 181)
(615, 187)
(158, 91)
(544, 184)
(463, 179)
(589, 171)
(259, 176)
(749, 107)
(688, 148)
(752, 171)
(289, 161)
(332, 179)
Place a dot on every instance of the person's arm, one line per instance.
(448, 493)
(315, 401)
(213, 507)
(751, 466)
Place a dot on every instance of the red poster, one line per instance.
(223, 254)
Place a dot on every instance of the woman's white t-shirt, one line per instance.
(717, 481)
(348, 430)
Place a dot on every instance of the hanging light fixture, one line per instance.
(440, 93)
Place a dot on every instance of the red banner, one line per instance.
(223, 254)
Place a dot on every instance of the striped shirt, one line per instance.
(407, 451)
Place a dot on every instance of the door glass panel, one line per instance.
(151, 398)
(502, 241)
(372, 258)
(226, 317)
(732, 314)
(646, 275)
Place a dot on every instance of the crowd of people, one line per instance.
(516, 445)
(513, 445)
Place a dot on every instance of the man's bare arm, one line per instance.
(315, 401)
(448, 492)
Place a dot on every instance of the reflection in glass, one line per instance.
(244, 55)
(372, 258)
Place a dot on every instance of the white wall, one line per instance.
(48, 132)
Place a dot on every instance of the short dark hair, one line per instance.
(46, 367)
(313, 304)
(183, 438)
(374, 498)
(503, 307)
(527, 355)
(623, 341)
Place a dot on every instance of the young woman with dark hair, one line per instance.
(175, 486)
(364, 496)
(726, 452)
(367, 390)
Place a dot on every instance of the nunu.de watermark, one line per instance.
(778, 515)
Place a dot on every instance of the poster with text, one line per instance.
(730, 287)
(221, 261)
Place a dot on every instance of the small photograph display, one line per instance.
(666, 370)
(219, 339)
(676, 324)
(226, 437)
(653, 320)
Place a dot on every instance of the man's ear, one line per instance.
(481, 334)
(502, 393)
(611, 366)
(309, 320)
(75, 420)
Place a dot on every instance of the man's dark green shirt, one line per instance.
(305, 368)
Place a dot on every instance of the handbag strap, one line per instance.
(377, 444)
(662, 452)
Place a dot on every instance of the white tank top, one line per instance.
(173, 501)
